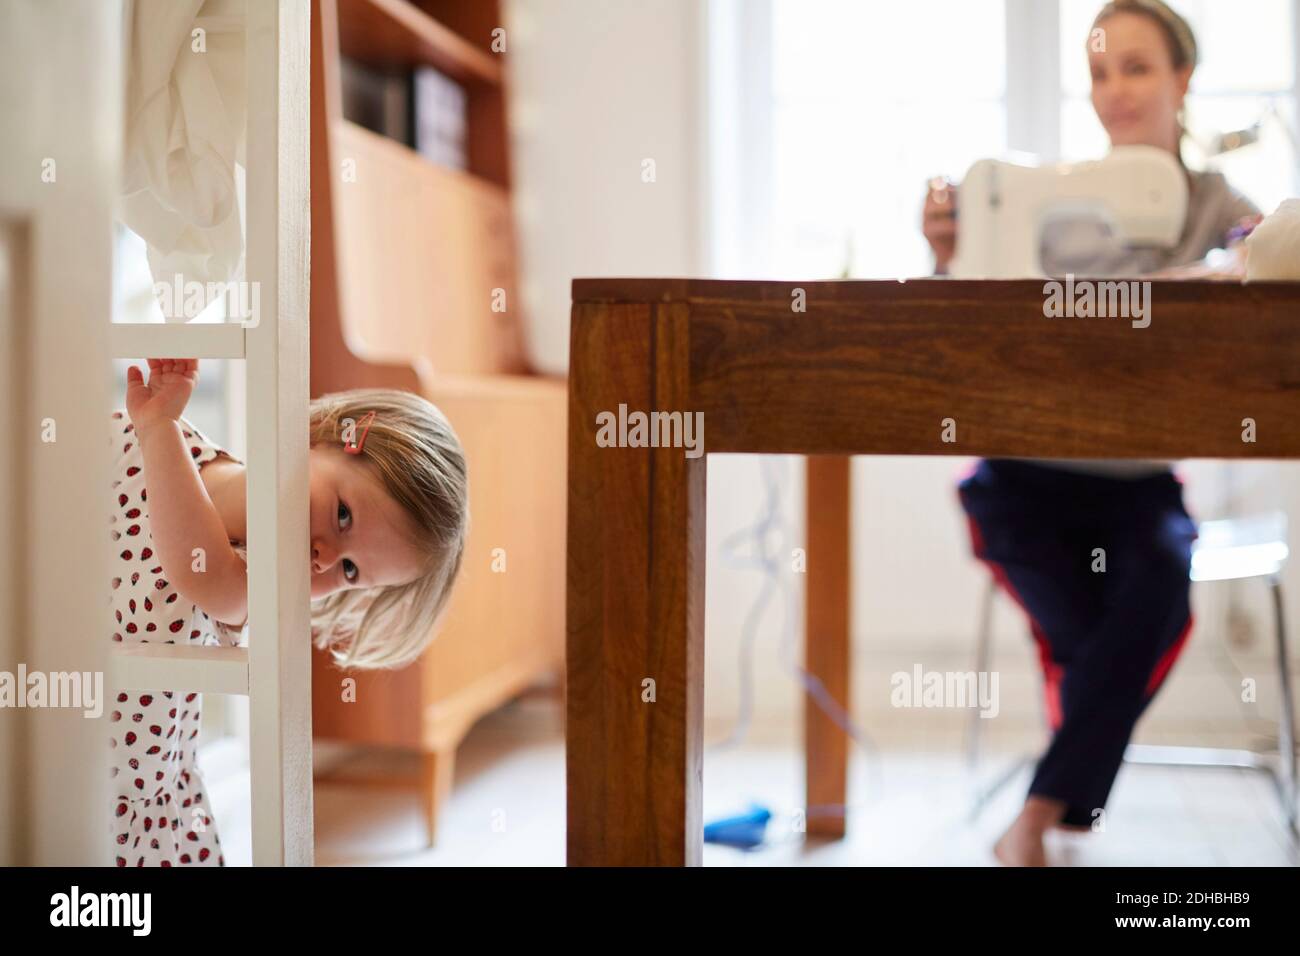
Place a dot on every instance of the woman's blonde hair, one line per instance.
(414, 452)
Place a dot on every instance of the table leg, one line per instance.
(635, 607)
(827, 650)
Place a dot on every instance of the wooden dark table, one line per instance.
(868, 368)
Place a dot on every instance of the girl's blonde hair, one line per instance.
(413, 450)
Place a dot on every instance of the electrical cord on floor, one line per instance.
(770, 558)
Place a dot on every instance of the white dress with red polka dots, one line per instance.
(161, 815)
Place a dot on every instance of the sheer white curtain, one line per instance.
(828, 117)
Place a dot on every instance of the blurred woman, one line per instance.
(1099, 553)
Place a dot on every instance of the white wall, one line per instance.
(595, 89)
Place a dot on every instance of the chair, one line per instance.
(1229, 550)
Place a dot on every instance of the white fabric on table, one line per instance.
(1273, 248)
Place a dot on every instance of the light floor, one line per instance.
(909, 808)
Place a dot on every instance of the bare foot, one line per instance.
(1022, 844)
(1020, 847)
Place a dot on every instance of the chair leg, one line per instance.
(1286, 717)
(984, 795)
(983, 660)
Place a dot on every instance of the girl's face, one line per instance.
(1136, 91)
(360, 537)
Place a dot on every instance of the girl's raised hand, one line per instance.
(164, 397)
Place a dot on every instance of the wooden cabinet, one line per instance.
(408, 261)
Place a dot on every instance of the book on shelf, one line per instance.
(378, 100)
(421, 108)
(439, 118)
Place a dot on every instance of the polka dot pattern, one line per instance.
(160, 814)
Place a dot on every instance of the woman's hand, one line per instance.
(939, 221)
(164, 397)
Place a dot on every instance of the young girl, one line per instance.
(388, 519)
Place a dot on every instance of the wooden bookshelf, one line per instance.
(396, 33)
(403, 35)
(412, 233)
(405, 255)
(435, 239)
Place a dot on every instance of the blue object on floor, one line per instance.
(743, 832)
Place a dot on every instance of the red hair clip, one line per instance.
(354, 447)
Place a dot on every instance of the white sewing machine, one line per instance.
(1136, 196)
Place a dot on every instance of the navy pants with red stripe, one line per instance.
(1106, 639)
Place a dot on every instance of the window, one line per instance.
(826, 117)
(864, 110)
